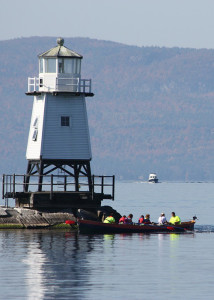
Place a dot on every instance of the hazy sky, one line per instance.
(181, 23)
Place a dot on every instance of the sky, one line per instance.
(164, 23)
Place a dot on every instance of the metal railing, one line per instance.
(13, 184)
(33, 84)
(78, 85)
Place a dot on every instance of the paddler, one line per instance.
(110, 219)
(147, 219)
(175, 220)
(123, 220)
(141, 219)
(129, 219)
(162, 219)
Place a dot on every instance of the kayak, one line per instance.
(94, 227)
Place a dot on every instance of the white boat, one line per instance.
(153, 178)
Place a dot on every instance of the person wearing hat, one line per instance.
(162, 219)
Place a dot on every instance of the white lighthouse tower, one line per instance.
(58, 149)
(59, 134)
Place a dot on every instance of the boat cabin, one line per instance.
(153, 178)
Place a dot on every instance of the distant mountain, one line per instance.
(152, 110)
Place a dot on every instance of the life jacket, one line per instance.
(122, 219)
(141, 220)
(174, 220)
(109, 219)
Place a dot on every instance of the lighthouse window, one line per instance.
(61, 65)
(72, 66)
(65, 121)
(50, 65)
(68, 65)
(78, 65)
(41, 65)
(35, 133)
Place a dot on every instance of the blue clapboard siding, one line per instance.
(60, 142)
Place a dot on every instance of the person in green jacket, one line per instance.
(109, 219)
(175, 220)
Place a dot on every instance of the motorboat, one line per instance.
(153, 178)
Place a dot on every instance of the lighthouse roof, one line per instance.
(60, 51)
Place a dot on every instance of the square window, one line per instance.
(65, 121)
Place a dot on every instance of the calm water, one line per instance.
(50, 264)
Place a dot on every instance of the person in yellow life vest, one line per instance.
(109, 219)
(174, 219)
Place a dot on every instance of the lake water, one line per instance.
(56, 264)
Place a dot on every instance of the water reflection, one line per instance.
(64, 265)
(174, 237)
(52, 264)
(56, 264)
(35, 275)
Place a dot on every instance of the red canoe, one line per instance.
(93, 227)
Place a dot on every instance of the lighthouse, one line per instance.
(59, 134)
(58, 149)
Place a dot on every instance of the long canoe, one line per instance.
(93, 227)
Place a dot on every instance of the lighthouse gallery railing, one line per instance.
(78, 85)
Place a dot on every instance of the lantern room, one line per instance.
(59, 71)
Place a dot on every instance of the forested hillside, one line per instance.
(152, 110)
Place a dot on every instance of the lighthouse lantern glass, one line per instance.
(50, 65)
(61, 65)
(69, 65)
(41, 69)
